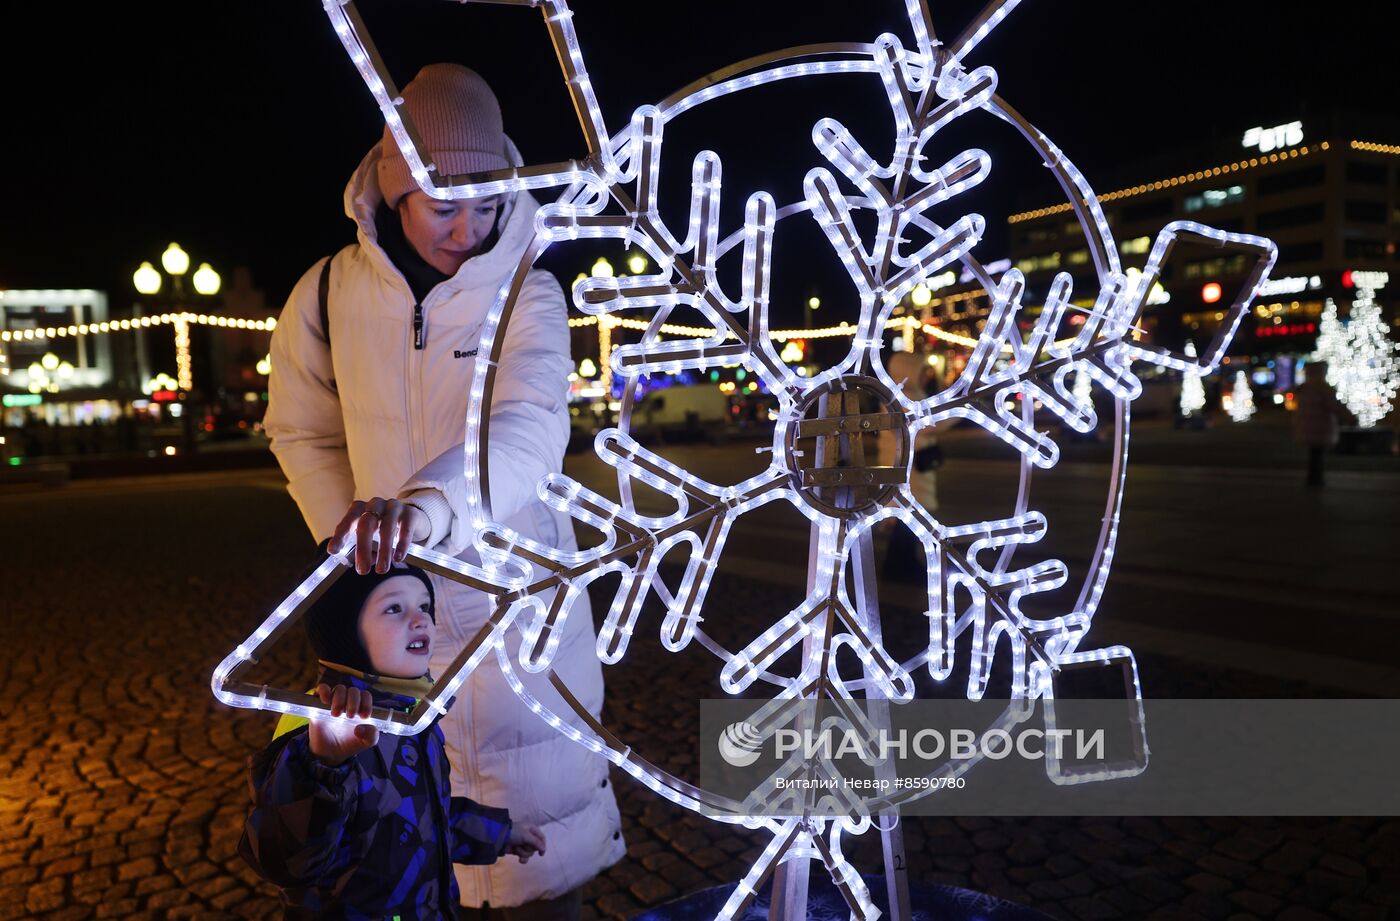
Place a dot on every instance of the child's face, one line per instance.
(396, 628)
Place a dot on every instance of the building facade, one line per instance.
(1328, 195)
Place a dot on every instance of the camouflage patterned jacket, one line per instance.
(373, 838)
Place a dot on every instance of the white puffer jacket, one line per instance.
(373, 416)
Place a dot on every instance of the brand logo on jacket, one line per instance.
(458, 353)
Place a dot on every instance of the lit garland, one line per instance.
(180, 322)
(903, 324)
(1184, 179)
(115, 326)
(1375, 148)
(975, 592)
(184, 366)
(605, 350)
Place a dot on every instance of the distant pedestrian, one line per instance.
(1316, 423)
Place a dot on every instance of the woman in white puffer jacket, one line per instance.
(374, 405)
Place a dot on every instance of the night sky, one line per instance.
(233, 126)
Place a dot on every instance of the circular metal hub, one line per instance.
(832, 446)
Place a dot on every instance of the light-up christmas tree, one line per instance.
(1241, 403)
(1193, 393)
(1330, 334)
(1362, 364)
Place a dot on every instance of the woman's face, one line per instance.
(447, 233)
(397, 628)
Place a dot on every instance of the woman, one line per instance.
(367, 410)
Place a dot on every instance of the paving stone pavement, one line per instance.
(121, 779)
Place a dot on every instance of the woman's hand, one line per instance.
(335, 741)
(525, 841)
(396, 524)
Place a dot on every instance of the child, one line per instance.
(352, 825)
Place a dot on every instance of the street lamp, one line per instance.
(47, 373)
(175, 260)
(812, 304)
(206, 280)
(148, 281)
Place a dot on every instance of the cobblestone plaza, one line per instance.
(122, 789)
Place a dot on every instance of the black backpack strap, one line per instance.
(323, 300)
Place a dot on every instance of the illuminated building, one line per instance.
(1327, 190)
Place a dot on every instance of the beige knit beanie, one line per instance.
(459, 121)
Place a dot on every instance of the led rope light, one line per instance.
(975, 592)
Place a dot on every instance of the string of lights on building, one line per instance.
(905, 323)
(1187, 178)
(179, 322)
(113, 326)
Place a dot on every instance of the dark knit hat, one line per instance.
(333, 622)
(457, 119)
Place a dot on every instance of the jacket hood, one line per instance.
(363, 197)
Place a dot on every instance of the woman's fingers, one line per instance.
(346, 525)
(388, 532)
(383, 528)
(365, 529)
(404, 536)
(390, 522)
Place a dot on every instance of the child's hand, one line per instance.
(525, 841)
(335, 741)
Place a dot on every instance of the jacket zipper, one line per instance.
(418, 337)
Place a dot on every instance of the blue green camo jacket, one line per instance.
(372, 838)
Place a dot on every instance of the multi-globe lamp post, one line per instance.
(602, 268)
(206, 282)
(48, 374)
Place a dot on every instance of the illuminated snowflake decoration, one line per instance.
(975, 587)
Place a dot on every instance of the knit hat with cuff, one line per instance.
(457, 118)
